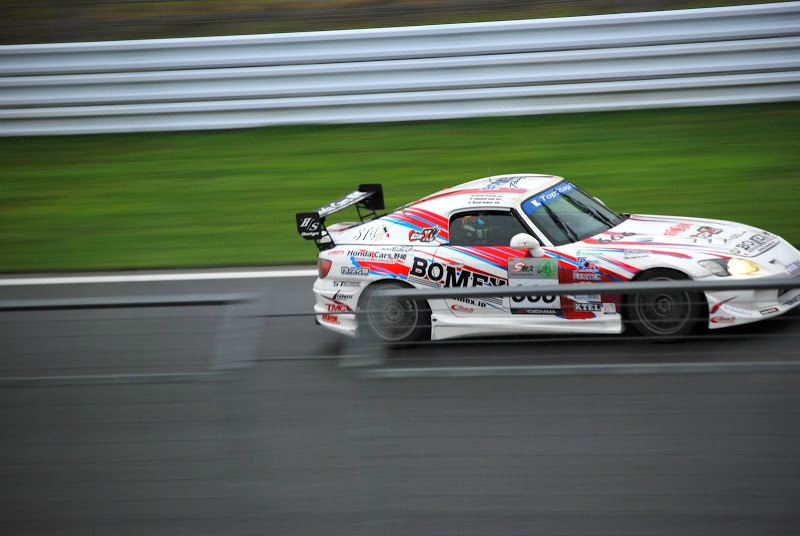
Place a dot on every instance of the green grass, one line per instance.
(229, 198)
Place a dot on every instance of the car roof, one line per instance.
(500, 191)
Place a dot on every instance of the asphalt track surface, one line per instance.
(116, 422)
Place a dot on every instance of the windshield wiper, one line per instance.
(560, 224)
(593, 212)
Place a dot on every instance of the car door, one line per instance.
(478, 254)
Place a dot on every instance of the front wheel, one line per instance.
(665, 315)
(393, 319)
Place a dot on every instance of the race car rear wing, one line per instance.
(311, 225)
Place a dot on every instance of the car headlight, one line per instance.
(726, 267)
(742, 267)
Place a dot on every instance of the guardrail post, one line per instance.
(238, 334)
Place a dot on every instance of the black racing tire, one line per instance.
(665, 316)
(392, 320)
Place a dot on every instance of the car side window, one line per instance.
(484, 228)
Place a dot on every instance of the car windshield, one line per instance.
(567, 214)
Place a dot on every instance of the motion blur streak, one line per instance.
(296, 445)
(171, 276)
(41, 21)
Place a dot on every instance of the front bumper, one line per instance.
(737, 307)
(731, 308)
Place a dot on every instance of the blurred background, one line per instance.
(181, 175)
(159, 370)
(51, 21)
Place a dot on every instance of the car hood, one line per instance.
(668, 232)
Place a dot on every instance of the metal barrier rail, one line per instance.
(633, 287)
(53, 304)
(710, 56)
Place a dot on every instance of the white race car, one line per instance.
(523, 230)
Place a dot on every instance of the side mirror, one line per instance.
(526, 241)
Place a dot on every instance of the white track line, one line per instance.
(110, 379)
(140, 278)
(579, 370)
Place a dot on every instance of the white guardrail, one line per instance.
(715, 56)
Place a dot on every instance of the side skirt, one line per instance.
(449, 327)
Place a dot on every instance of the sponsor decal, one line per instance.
(757, 242)
(333, 319)
(723, 319)
(450, 276)
(309, 227)
(539, 268)
(505, 182)
(610, 239)
(792, 301)
(307, 223)
(471, 301)
(535, 203)
(586, 297)
(461, 308)
(404, 249)
(716, 307)
(609, 308)
(377, 256)
(586, 265)
(485, 199)
(636, 253)
(769, 311)
(354, 284)
(426, 235)
(352, 270)
(586, 271)
(677, 229)
(738, 311)
(793, 267)
(336, 252)
(527, 311)
(367, 234)
(337, 306)
(587, 253)
(587, 307)
(340, 203)
(705, 231)
(737, 235)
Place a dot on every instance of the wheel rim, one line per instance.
(392, 319)
(665, 313)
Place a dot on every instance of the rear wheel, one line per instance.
(393, 319)
(665, 315)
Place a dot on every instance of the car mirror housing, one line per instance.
(526, 241)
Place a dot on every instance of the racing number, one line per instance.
(614, 237)
(528, 274)
(534, 299)
(546, 268)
